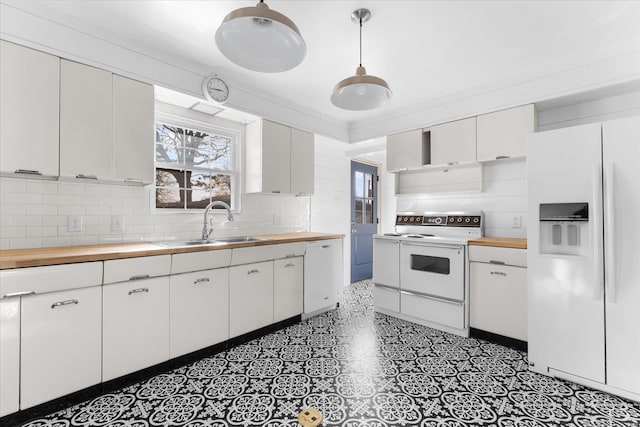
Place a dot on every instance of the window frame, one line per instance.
(209, 128)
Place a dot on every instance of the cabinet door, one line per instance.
(60, 347)
(406, 150)
(288, 288)
(499, 299)
(250, 297)
(199, 307)
(29, 110)
(9, 355)
(386, 262)
(86, 121)
(135, 326)
(302, 162)
(502, 134)
(454, 142)
(276, 158)
(133, 127)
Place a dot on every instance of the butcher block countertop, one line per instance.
(18, 258)
(500, 242)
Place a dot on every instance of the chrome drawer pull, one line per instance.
(502, 157)
(290, 256)
(137, 180)
(61, 303)
(326, 246)
(289, 265)
(499, 273)
(83, 176)
(28, 172)
(255, 270)
(493, 261)
(139, 277)
(201, 280)
(18, 294)
(136, 291)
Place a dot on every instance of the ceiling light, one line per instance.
(362, 91)
(261, 39)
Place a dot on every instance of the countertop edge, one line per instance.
(500, 242)
(40, 257)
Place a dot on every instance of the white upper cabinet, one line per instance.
(407, 150)
(133, 130)
(279, 159)
(502, 134)
(86, 121)
(453, 142)
(29, 110)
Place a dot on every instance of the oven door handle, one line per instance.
(388, 288)
(432, 245)
(433, 297)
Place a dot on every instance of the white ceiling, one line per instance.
(425, 50)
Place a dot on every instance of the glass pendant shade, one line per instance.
(261, 39)
(361, 92)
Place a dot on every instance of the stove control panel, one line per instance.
(464, 220)
(440, 220)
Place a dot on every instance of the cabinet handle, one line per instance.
(289, 265)
(290, 256)
(276, 191)
(201, 280)
(18, 294)
(254, 271)
(139, 277)
(136, 291)
(326, 246)
(83, 176)
(61, 303)
(502, 157)
(27, 172)
(453, 163)
(499, 273)
(493, 261)
(138, 180)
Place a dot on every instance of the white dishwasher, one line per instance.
(322, 276)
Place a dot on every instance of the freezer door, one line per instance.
(621, 155)
(565, 291)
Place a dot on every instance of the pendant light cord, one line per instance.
(361, 41)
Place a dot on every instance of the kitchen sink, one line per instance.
(208, 242)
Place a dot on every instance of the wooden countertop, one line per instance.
(19, 258)
(500, 242)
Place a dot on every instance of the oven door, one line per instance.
(432, 270)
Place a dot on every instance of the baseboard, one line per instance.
(499, 339)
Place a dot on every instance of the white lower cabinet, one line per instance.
(60, 344)
(9, 355)
(250, 297)
(199, 310)
(135, 332)
(288, 286)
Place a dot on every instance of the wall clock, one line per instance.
(215, 89)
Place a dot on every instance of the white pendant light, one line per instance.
(362, 91)
(261, 39)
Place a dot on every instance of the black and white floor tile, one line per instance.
(360, 369)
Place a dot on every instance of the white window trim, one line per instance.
(236, 175)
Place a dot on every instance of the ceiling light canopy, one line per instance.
(261, 39)
(362, 91)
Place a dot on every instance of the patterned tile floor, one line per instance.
(360, 369)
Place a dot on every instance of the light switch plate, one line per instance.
(74, 223)
(515, 221)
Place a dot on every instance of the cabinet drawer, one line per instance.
(422, 307)
(493, 255)
(122, 270)
(498, 301)
(194, 261)
(386, 298)
(51, 278)
(266, 253)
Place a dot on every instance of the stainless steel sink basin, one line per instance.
(208, 242)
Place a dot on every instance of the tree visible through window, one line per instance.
(193, 166)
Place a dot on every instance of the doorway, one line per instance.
(364, 218)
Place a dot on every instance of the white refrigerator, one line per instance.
(583, 256)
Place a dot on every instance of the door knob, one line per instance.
(353, 231)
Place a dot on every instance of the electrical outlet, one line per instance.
(74, 223)
(515, 221)
(117, 223)
(277, 219)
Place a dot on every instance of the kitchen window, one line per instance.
(196, 163)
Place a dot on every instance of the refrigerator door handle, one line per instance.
(596, 228)
(610, 231)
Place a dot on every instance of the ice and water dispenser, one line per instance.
(564, 228)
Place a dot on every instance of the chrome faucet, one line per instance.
(207, 229)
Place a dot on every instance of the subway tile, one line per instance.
(32, 242)
(11, 185)
(12, 209)
(110, 239)
(71, 188)
(25, 198)
(26, 221)
(42, 187)
(42, 231)
(97, 210)
(54, 220)
(71, 210)
(85, 240)
(43, 210)
(4, 244)
(12, 232)
(56, 241)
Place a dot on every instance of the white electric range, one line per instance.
(421, 272)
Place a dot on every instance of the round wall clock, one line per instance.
(215, 89)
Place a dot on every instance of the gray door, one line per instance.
(364, 219)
